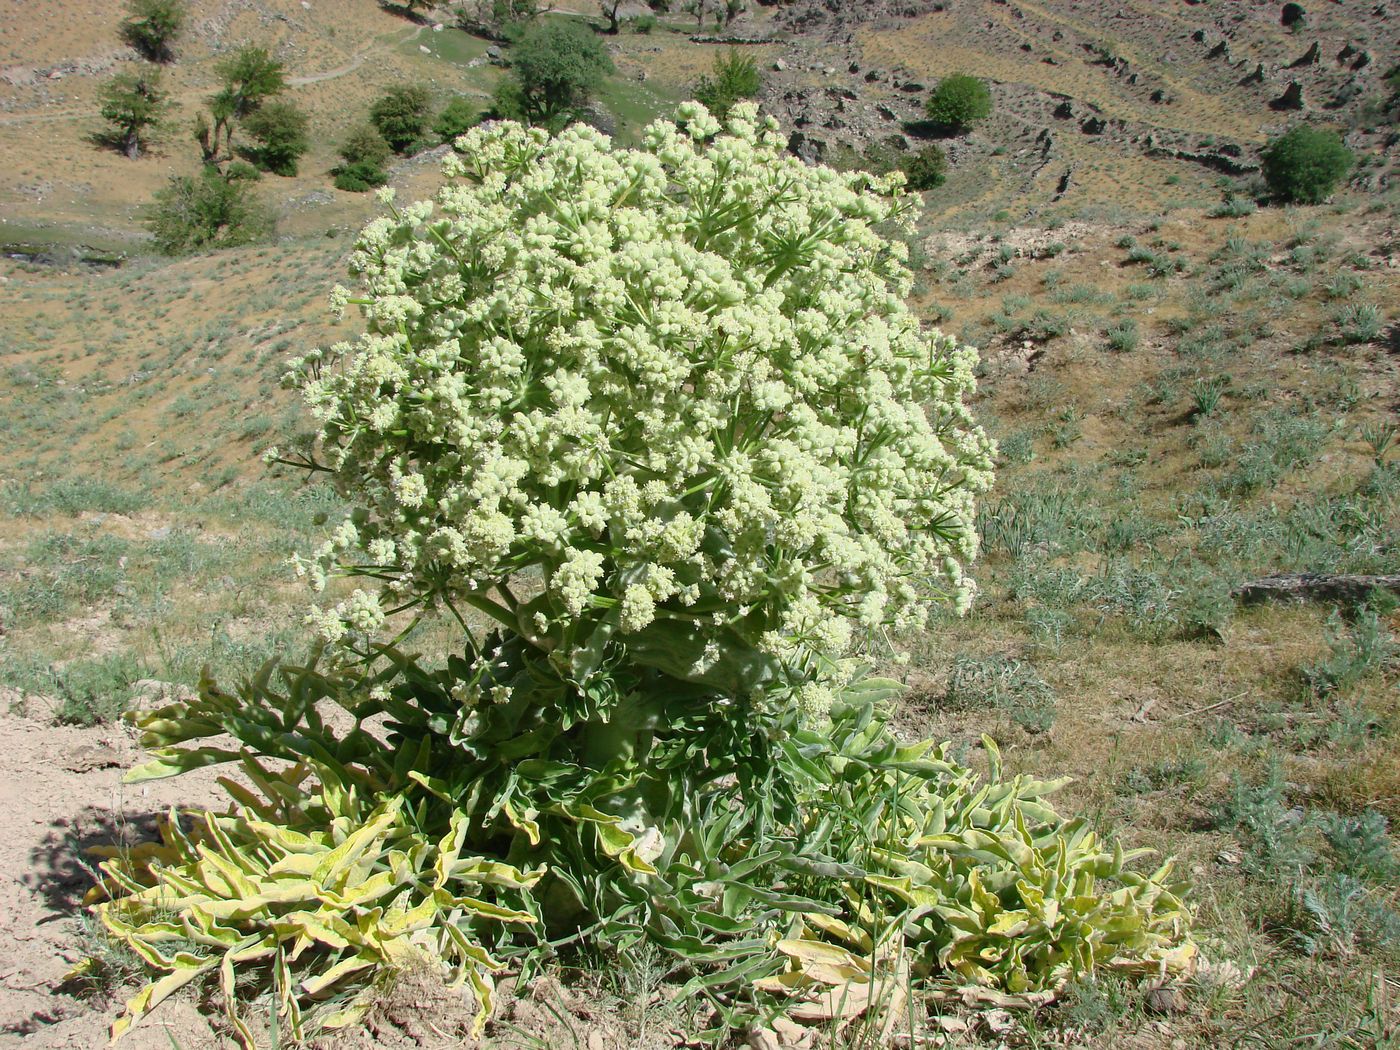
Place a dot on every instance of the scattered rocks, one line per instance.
(834, 20)
(86, 758)
(600, 118)
(731, 40)
(1256, 77)
(1311, 57)
(806, 148)
(1352, 90)
(1165, 999)
(1225, 157)
(1291, 99)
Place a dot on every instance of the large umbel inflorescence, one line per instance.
(679, 382)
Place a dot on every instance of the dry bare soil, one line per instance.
(1187, 397)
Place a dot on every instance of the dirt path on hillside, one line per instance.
(356, 61)
(60, 793)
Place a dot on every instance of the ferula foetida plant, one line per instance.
(656, 428)
(678, 385)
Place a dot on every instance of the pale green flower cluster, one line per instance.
(676, 383)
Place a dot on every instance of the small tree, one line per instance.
(959, 101)
(152, 27)
(209, 210)
(250, 77)
(610, 9)
(457, 118)
(365, 153)
(735, 77)
(402, 116)
(134, 104)
(925, 168)
(497, 19)
(280, 131)
(698, 8)
(1304, 165)
(555, 68)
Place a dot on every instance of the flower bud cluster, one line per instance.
(677, 382)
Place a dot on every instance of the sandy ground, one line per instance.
(60, 793)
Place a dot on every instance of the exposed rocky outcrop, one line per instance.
(836, 19)
(1224, 157)
(1256, 77)
(1311, 57)
(1291, 99)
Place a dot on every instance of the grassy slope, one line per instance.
(1226, 436)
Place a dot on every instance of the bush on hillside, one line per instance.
(365, 145)
(365, 154)
(735, 77)
(153, 26)
(402, 116)
(457, 118)
(210, 210)
(279, 133)
(411, 8)
(359, 176)
(959, 102)
(925, 168)
(1304, 165)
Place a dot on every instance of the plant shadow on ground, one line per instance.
(62, 864)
